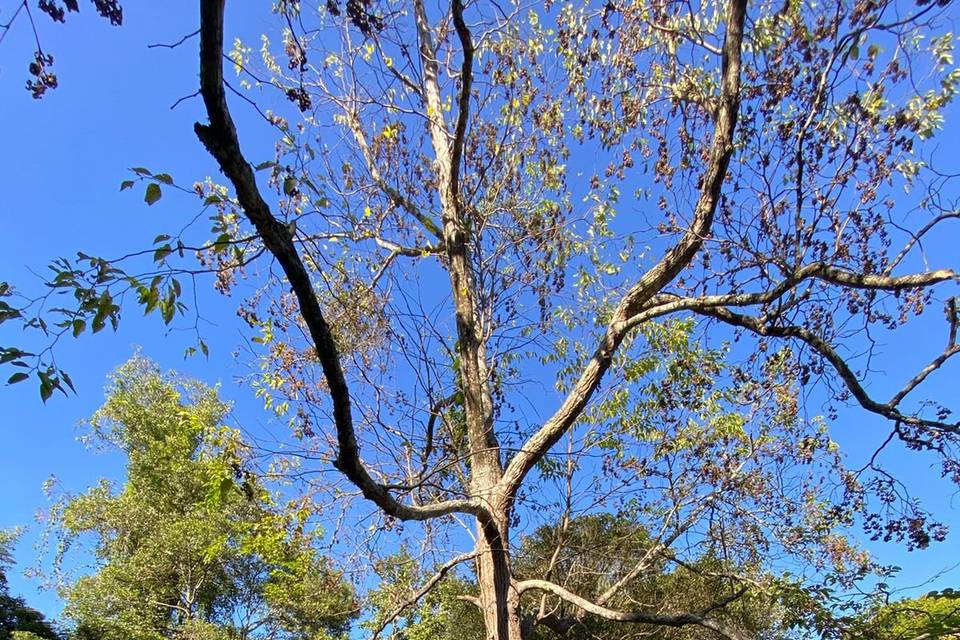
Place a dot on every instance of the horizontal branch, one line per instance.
(699, 619)
(664, 304)
(828, 352)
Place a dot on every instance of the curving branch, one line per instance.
(463, 101)
(888, 409)
(662, 273)
(220, 139)
(664, 304)
(700, 618)
(915, 237)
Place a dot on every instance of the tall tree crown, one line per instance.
(515, 264)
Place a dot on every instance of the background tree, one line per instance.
(934, 615)
(192, 545)
(685, 218)
(17, 620)
(587, 555)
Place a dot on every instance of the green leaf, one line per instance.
(289, 185)
(265, 165)
(10, 354)
(78, 326)
(149, 298)
(126, 184)
(165, 178)
(167, 309)
(141, 171)
(47, 385)
(66, 378)
(221, 243)
(153, 193)
(19, 376)
(162, 252)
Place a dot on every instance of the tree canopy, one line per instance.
(934, 615)
(192, 545)
(565, 265)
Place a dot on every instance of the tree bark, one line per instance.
(499, 598)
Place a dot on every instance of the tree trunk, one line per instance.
(499, 600)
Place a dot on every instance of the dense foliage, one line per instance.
(192, 545)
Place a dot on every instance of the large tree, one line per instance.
(192, 545)
(586, 554)
(687, 218)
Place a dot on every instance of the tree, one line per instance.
(193, 545)
(685, 218)
(934, 615)
(586, 555)
(17, 620)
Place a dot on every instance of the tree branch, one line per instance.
(220, 139)
(663, 620)
(463, 102)
(886, 409)
(424, 590)
(353, 121)
(660, 275)
(664, 304)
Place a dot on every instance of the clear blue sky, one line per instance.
(62, 161)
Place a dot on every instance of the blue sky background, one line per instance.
(61, 164)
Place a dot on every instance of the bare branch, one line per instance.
(915, 237)
(353, 121)
(663, 620)
(173, 45)
(463, 102)
(886, 409)
(664, 304)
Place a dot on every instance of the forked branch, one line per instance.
(889, 410)
(422, 591)
(220, 139)
(663, 272)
